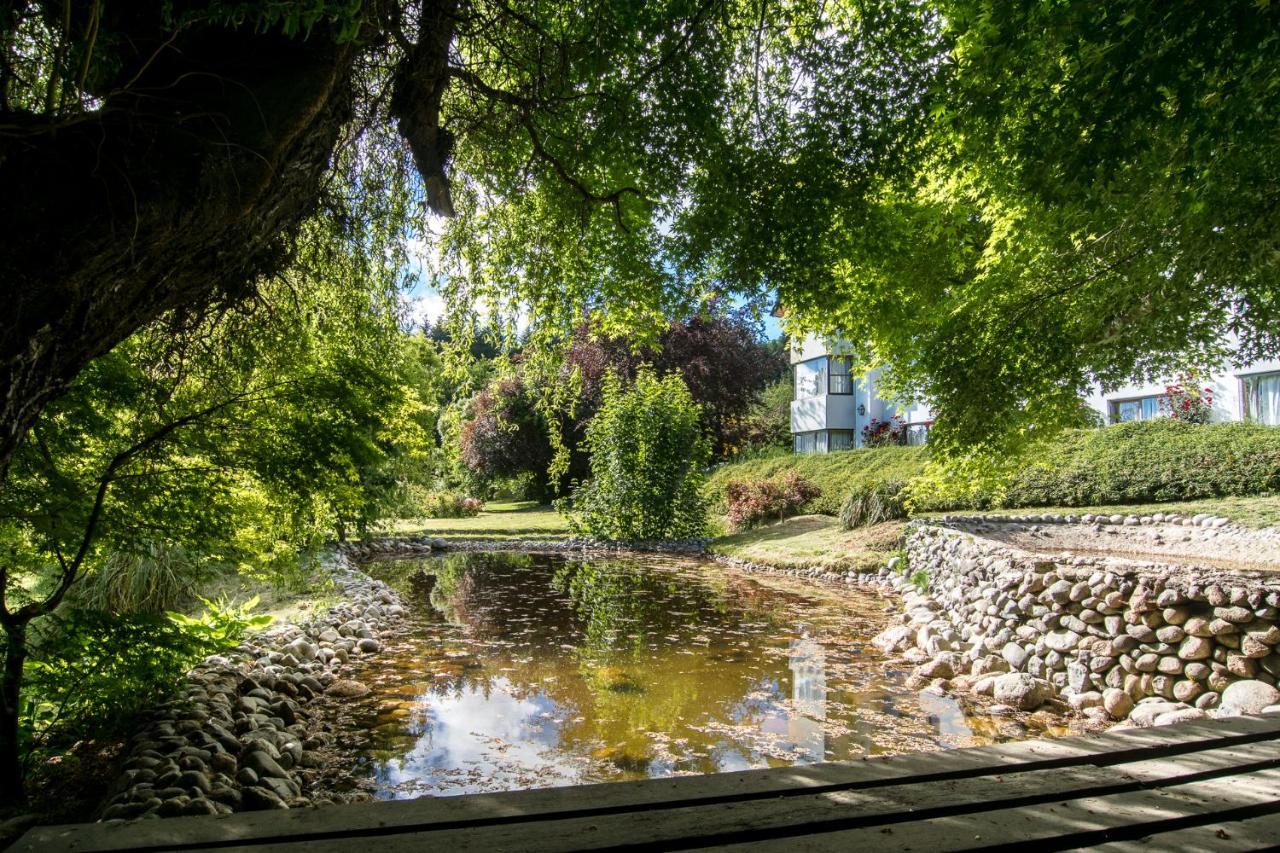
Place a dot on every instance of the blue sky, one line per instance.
(424, 304)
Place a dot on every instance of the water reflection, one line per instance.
(527, 671)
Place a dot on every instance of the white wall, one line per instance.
(1227, 405)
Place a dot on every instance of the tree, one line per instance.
(1091, 198)
(647, 457)
(505, 435)
(718, 354)
(243, 440)
(176, 149)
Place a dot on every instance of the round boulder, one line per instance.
(1249, 697)
(1020, 690)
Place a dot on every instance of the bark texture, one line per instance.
(182, 190)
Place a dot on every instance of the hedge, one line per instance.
(1148, 462)
(835, 474)
(1138, 462)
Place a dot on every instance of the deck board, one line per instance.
(1118, 788)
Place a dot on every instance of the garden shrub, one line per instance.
(449, 504)
(93, 671)
(751, 502)
(873, 502)
(1148, 461)
(647, 452)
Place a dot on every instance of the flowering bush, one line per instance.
(1186, 400)
(751, 502)
(452, 505)
(880, 433)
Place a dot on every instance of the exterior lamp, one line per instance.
(862, 410)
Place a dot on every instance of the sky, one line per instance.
(424, 304)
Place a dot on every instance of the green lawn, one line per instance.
(808, 541)
(1261, 511)
(498, 520)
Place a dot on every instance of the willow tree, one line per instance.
(160, 161)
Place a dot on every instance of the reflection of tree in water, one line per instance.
(624, 605)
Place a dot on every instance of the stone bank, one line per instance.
(1114, 637)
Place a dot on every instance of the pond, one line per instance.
(521, 670)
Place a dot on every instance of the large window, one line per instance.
(839, 381)
(806, 442)
(1140, 409)
(811, 378)
(840, 439)
(1262, 398)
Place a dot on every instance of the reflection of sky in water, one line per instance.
(473, 731)
(519, 673)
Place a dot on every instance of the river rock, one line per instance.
(1020, 690)
(1145, 713)
(1249, 697)
(346, 688)
(1182, 715)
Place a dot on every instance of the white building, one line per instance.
(1248, 392)
(831, 407)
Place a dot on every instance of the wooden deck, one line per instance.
(1194, 786)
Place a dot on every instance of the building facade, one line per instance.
(1243, 392)
(834, 409)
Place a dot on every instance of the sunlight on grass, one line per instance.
(808, 541)
(498, 520)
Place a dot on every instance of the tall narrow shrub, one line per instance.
(647, 457)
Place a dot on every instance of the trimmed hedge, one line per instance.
(835, 474)
(1148, 462)
(1139, 462)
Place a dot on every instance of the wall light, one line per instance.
(862, 410)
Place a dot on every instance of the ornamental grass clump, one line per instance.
(873, 503)
(647, 454)
(753, 502)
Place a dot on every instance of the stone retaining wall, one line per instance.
(243, 734)
(1102, 632)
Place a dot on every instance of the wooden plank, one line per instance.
(1066, 825)
(610, 798)
(1256, 833)
(902, 805)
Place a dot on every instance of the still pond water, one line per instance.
(521, 671)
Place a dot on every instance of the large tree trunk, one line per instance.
(183, 189)
(11, 789)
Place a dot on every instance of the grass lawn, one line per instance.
(498, 520)
(1262, 511)
(808, 541)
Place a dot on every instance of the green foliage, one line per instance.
(751, 502)
(835, 474)
(1094, 201)
(872, 503)
(647, 452)
(451, 505)
(1148, 461)
(92, 671)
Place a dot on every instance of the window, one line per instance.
(840, 439)
(811, 378)
(806, 442)
(839, 381)
(1262, 398)
(1141, 409)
